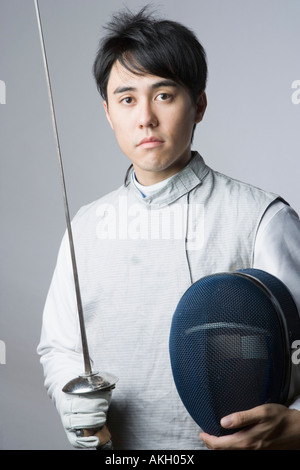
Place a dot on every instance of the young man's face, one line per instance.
(153, 120)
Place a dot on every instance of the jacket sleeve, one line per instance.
(60, 343)
(277, 251)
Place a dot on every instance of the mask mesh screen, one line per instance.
(227, 349)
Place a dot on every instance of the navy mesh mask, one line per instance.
(230, 345)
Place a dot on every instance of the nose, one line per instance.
(147, 116)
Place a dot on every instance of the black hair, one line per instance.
(144, 44)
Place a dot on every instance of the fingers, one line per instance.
(235, 420)
(258, 427)
(232, 441)
(239, 419)
(84, 412)
(97, 438)
(84, 417)
(89, 403)
(214, 442)
(236, 441)
(103, 434)
(255, 415)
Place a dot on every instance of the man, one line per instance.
(140, 247)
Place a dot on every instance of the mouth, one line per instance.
(150, 142)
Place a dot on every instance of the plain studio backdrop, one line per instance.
(250, 132)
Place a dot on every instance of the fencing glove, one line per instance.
(86, 411)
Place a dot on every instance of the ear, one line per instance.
(105, 104)
(201, 105)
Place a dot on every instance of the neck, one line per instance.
(148, 178)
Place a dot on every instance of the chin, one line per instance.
(154, 168)
(155, 162)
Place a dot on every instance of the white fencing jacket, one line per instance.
(137, 254)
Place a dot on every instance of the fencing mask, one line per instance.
(230, 345)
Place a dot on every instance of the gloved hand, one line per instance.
(84, 411)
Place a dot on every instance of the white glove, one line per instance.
(86, 411)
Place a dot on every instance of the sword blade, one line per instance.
(86, 357)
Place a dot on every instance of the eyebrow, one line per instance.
(161, 83)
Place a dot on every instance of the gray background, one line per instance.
(250, 131)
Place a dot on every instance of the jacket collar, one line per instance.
(181, 183)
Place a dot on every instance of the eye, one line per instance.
(127, 100)
(164, 97)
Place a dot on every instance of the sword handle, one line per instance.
(103, 435)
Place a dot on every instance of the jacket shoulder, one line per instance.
(89, 209)
(234, 185)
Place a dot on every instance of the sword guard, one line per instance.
(91, 383)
